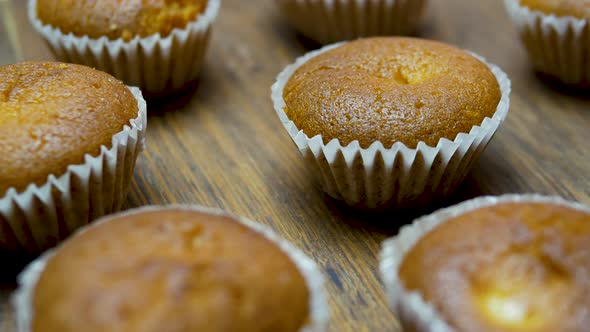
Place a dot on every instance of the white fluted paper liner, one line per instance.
(379, 177)
(41, 216)
(314, 278)
(328, 21)
(413, 312)
(556, 45)
(155, 64)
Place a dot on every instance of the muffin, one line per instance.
(69, 138)
(391, 121)
(183, 269)
(560, 8)
(555, 35)
(157, 45)
(510, 263)
(328, 21)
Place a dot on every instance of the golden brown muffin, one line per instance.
(119, 18)
(170, 270)
(576, 8)
(52, 114)
(510, 267)
(391, 90)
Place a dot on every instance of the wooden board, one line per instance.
(222, 145)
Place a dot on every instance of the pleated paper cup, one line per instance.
(156, 64)
(413, 312)
(396, 177)
(328, 21)
(41, 216)
(318, 306)
(557, 46)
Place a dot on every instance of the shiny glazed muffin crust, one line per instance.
(391, 89)
(508, 267)
(119, 18)
(170, 270)
(52, 114)
(576, 8)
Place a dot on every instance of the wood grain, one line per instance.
(220, 144)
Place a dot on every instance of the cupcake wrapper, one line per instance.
(155, 64)
(41, 216)
(378, 177)
(329, 21)
(558, 46)
(318, 315)
(413, 312)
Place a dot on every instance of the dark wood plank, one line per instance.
(220, 144)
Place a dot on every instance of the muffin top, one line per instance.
(576, 8)
(52, 114)
(119, 18)
(170, 270)
(509, 267)
(391, 89)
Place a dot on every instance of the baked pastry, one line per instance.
(183, 269)
(328, 21)
(391, 90)
(575, 8)
(514, 263)
(52, 115)
(384, 118)
(157, 45)
(60, 125)
(555, 35)
(119, 18)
